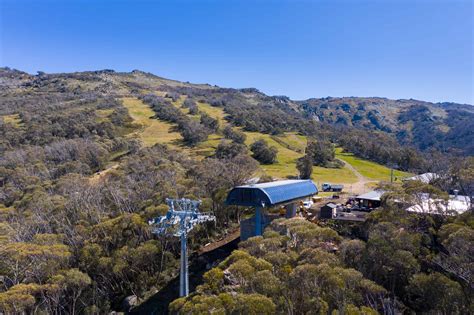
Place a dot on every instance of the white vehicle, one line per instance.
(307, 204)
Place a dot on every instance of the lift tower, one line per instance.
(182, 216)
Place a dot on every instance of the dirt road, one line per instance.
(361, 186)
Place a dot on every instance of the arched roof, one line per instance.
(272, 193)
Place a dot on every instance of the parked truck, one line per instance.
(330, 187)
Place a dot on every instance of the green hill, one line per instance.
(290, 146)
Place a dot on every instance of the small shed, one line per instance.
(370, 200)
(278, 193)
(328, 211)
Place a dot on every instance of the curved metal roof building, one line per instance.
(272, 193)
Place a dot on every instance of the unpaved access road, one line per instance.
(361, 186)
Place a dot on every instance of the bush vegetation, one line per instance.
(76, 193)
(263, 153)
(392, 264)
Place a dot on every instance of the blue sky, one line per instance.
(396, 49)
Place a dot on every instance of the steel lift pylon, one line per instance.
(182, 216)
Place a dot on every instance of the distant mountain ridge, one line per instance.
(445, 126)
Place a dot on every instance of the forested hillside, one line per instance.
(397, 264)
(424, 125)
(86, 159)
(77, 190)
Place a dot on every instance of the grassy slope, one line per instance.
(369, 169)
(290, 146)
(286, 164)
(333, 175)
(103, 114)
(286, 159)
(152, 131)
(13, 119)
(215, 112)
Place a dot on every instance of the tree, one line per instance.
(322, 153)
(193, 132)
(193, 109)
(213, 281)
(173, 95)
(254, 304)
(435, 293)
(463, 175)
(72, 282)
(224, 303)
(188, 103)
(234, 135)
(211, 123)
(305, 166)
(216, 177)
(457, 240)
(352, 253)
(228, 150)
(26, 262)
(17, 300)
(263, 153)
(390, 259)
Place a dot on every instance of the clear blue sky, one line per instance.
(397, 49)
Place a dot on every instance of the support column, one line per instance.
(290, 210)
(183, 274)
(258, 221)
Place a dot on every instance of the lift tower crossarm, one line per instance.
(179, 223)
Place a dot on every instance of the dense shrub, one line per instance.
(262, 152)
(227, 149)
(211, 123)
(193, 132)
(322, 153)
(234, 135)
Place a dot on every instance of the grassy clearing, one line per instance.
(152, 131)
(215, 112)
(208, 147)
(333, 175)
(369, 169)
(325, 194)
(286, 159)
(103, 114)
(294, 141)
(13, 119)
(291, 141)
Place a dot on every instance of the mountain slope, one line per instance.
(87, 159)
(424, 125)
(444, 126)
